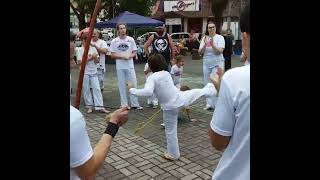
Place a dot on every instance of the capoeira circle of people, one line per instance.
(163, 84)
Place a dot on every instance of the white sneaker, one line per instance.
(162, 124)
(155, 106)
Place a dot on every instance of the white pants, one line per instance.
(124, 76)
(170, 118)
(93, 80)
(152, 100)
(100, 73)
(206, 74)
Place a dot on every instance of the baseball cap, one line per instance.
(160, 27)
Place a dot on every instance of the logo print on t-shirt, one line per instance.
(160, 44)
(123, 47)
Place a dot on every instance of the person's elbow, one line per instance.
(89, 176)
(218, 142)
(89, 170)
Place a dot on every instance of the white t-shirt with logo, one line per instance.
(127, 46)
(102, 62)
(80, 147)
(176, 74)
(232, 118)
(210, 58)
(91, 67)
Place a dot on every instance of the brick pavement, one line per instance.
(140, 156)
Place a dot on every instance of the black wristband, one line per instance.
(111, 129)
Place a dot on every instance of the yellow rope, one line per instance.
(141, 125)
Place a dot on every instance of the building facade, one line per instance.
(184, 15)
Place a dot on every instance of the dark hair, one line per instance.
(179, 58)
(209, 22)
(157, 63)
(184, 88)
(121, 24)
(245, 19)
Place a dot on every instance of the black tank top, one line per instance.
(160, 44)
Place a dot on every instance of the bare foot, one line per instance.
(89, 111)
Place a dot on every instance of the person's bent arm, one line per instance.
(133, 54)
(147, 44)
(218, 50)
(115, 55)
(172, 47)
(219, 47)
(223, 120)
(202, 45)
(103, 50)
(89, 169)
(218, 142)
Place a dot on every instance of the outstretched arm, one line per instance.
(146, 91)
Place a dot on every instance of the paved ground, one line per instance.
(140, 156)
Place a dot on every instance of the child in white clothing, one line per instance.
(170, 98)
(176, 71)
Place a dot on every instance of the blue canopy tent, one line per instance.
(131, 19)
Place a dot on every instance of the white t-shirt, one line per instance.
(80, 147)
(176, 73)
(232, 118)
(146, 67)
(127, 46)
(210, 58)
(102, 62)
(91, 67)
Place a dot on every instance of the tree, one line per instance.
(112, 8)
(141, 7)
(81, 8)
(217, 7)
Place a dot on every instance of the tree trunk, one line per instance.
(82, 20)
(218, 22)
(217, 7)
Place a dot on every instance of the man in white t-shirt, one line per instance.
(123, 49)
(84, 161)
(230, 124)
(102, 49)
